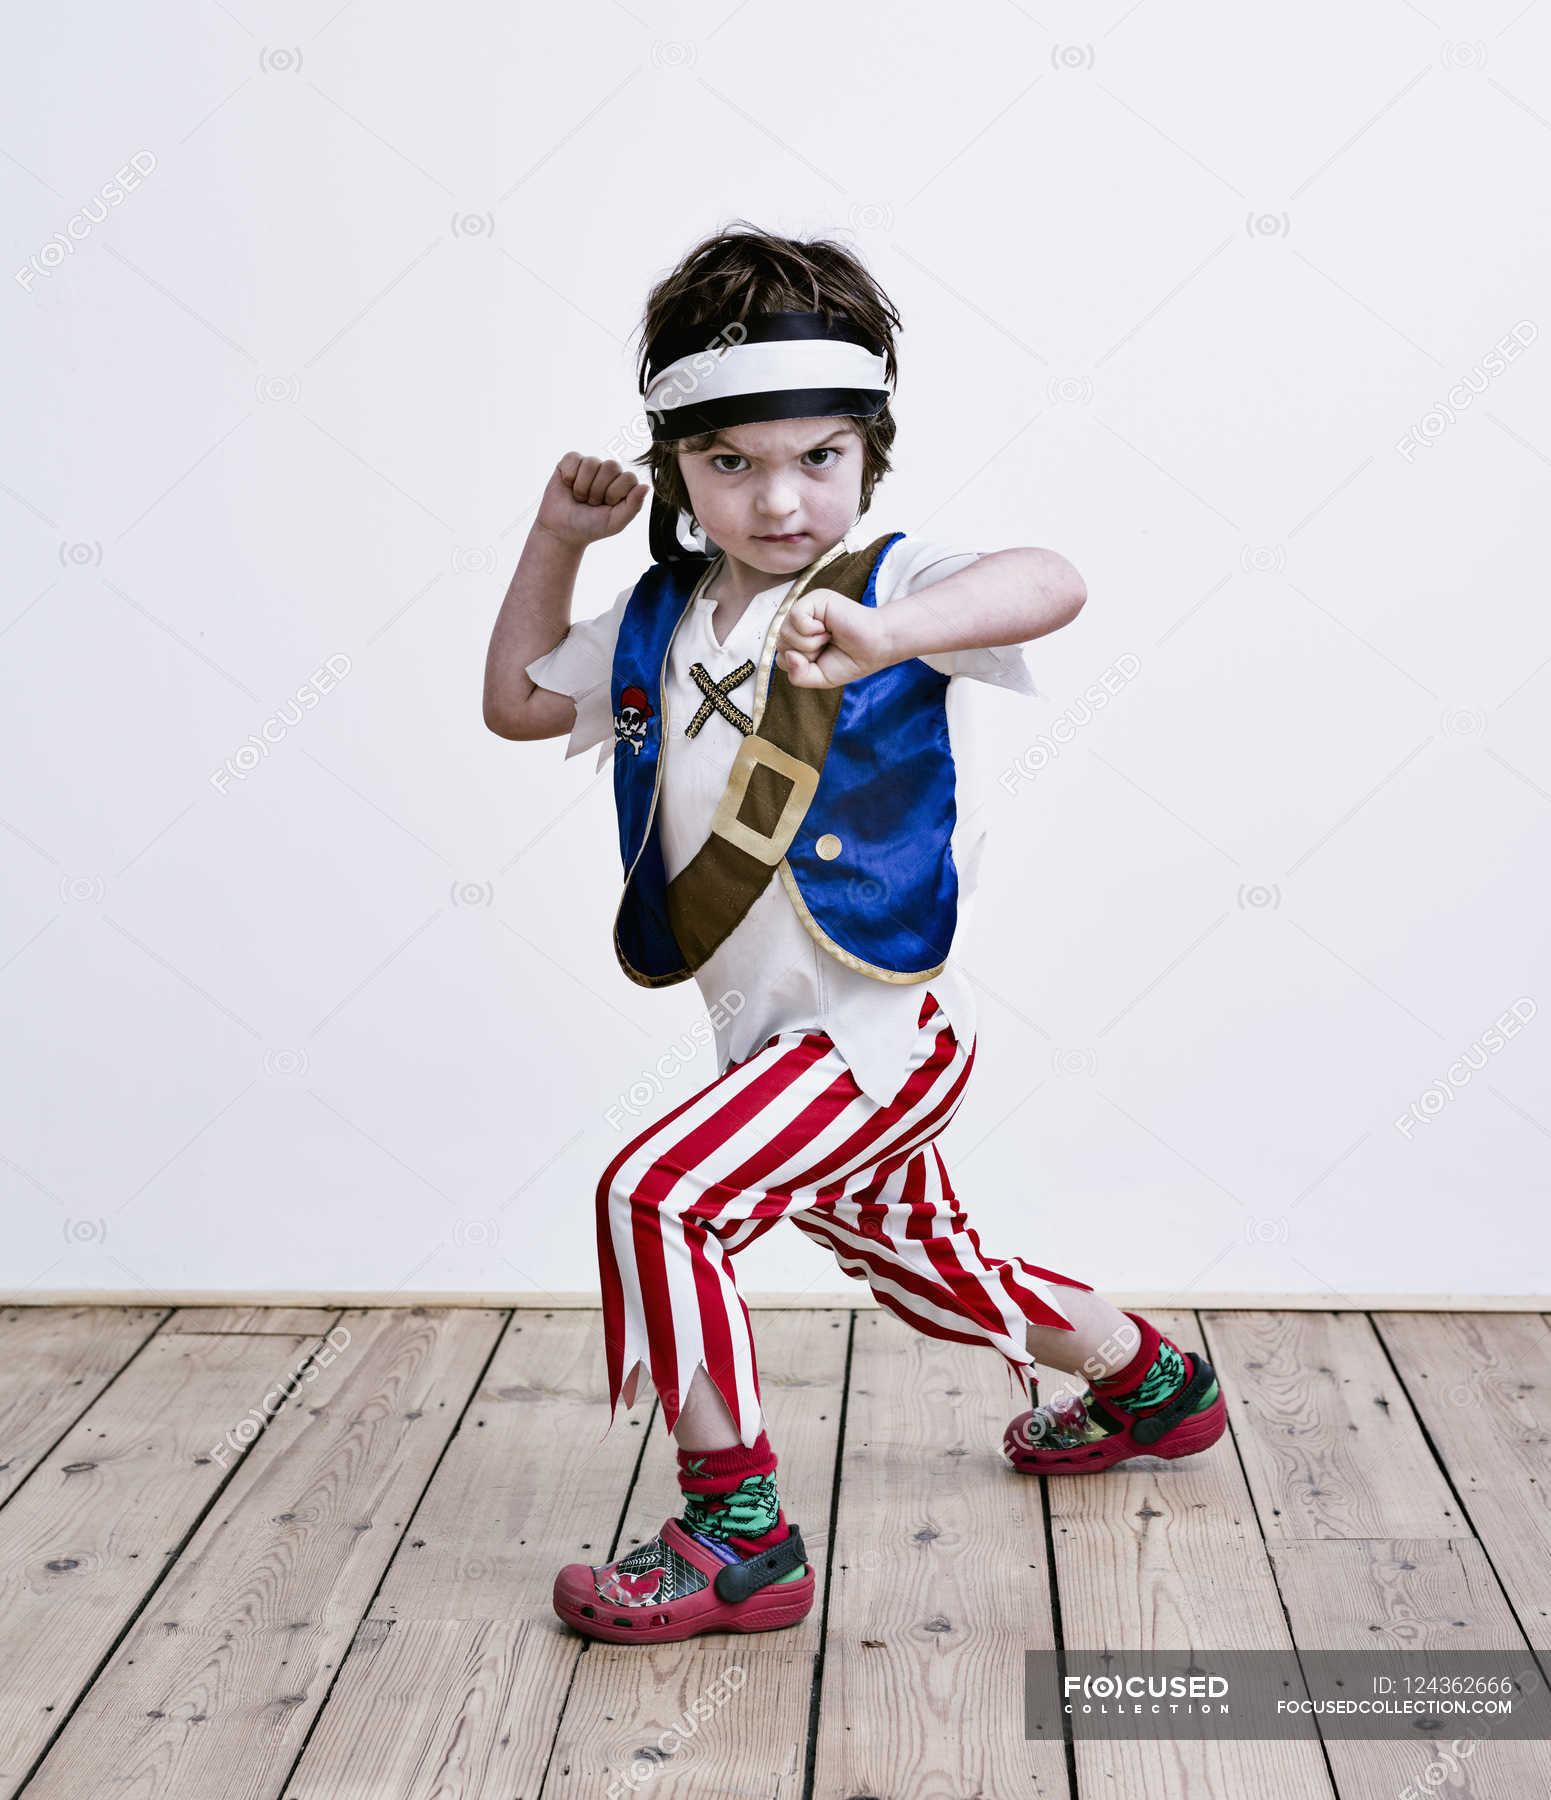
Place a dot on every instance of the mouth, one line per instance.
(785, 537)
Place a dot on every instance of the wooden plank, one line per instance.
(1480, 1385)
(1413, 1594)
(1161, 1555)
(286, 1321)
(937, 1582)
(214, 1688)
(54, 1362)
(1330, 1443)
(631, 1717)
(456, 1681)
(87, 1538)
(1341, 1473)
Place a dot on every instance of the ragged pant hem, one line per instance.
(672, 1405)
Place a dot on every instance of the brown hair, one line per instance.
(734, 273)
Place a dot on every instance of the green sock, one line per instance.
(1161, 1382)
(1076, 1420)
(745, 1516)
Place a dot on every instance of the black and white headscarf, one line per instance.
(774, 365)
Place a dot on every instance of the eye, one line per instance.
(824, 450)
(731, 455)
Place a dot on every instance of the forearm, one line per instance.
(534, 617)
(1004, 597)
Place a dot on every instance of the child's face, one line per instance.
(776, 495)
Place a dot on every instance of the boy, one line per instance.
(784, 702)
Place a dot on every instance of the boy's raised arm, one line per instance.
(584, 501)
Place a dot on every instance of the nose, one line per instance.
(776, 501)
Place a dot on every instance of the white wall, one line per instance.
(1184, 291)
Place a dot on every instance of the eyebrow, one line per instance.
(817, 444)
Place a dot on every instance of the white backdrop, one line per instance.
(1243, 312)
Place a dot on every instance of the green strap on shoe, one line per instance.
(1185, 1402)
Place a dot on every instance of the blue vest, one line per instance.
(870, 870)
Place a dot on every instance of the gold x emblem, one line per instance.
(716, 698)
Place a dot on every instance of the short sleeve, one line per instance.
(580, 667)
(920, 565)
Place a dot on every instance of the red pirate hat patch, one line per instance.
(630, 721)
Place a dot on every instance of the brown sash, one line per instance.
(772, 782)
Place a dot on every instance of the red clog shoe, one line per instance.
(1061, 1438)
(678, 1585)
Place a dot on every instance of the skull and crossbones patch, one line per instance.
(630, 721)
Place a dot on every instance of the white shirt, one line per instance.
(769, 973)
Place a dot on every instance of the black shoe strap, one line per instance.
(1150, 1429)
(736, 1581)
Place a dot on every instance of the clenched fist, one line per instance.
(827, 640)
(587, 499)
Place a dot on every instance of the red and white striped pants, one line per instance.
(789, 1134)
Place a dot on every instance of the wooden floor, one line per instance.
(223, 1578)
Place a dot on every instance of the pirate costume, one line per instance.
(806, 850)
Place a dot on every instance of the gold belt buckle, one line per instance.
(726, 823)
